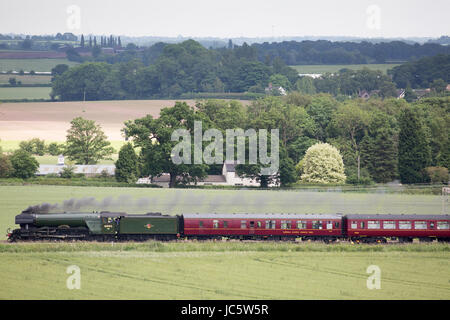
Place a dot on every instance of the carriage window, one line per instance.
(431, 225)
(301, 224)
(373, 225)
(200, 224)
(420, 225)
(243, 224)
(363, 225)
(443, 225)
(404, 225)
(215, 224)
(354, 225)
(258, 224)
(270, 224)
(252, 224)
(285, 224)
(336, 225)
(329, 225)
(225, 224)
(388, 224)
(317, 224)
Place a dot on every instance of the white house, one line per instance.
(228, 177)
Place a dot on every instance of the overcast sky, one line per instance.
(228, 18)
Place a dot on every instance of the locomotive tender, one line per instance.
(119, 226)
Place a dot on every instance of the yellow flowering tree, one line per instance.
(323, 164)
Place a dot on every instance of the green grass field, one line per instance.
(25, 93)
(25, 79)
(223, 271)
(41, 65)
(335, 68)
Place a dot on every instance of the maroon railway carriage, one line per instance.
(263, 226)
(378, 227)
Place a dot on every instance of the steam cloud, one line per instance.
(123, 202)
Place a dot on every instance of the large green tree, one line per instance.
(379, 148)
(25, 165)
(351, 121)
(154, 137)
(82, 82)
(323, 164)
(86, 143)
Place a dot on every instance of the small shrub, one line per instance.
(6, 167)
(25, 166)
(437, 174)
(68, 172)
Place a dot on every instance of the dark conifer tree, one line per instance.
(379, 149)
(414, 152)
(126, 164)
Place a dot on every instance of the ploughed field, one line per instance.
(50, 120)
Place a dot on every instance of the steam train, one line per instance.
(118, 226)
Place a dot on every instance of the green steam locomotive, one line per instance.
(95, 226)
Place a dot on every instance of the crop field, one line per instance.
(38, 65)
(223, 270)
(50, 120)
(25, 79)
(320, 69)
(25, 93)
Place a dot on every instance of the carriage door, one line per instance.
(252, 227)
(329, 225)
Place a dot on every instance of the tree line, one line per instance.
(423, 72)
(181, 68)
(171, 70)
(328, 52)
(378, 140)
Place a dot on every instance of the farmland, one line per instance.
(320, 69)
(38, 65)
(50, 120)
(25, 79)
(25, 93)
(223, 271)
